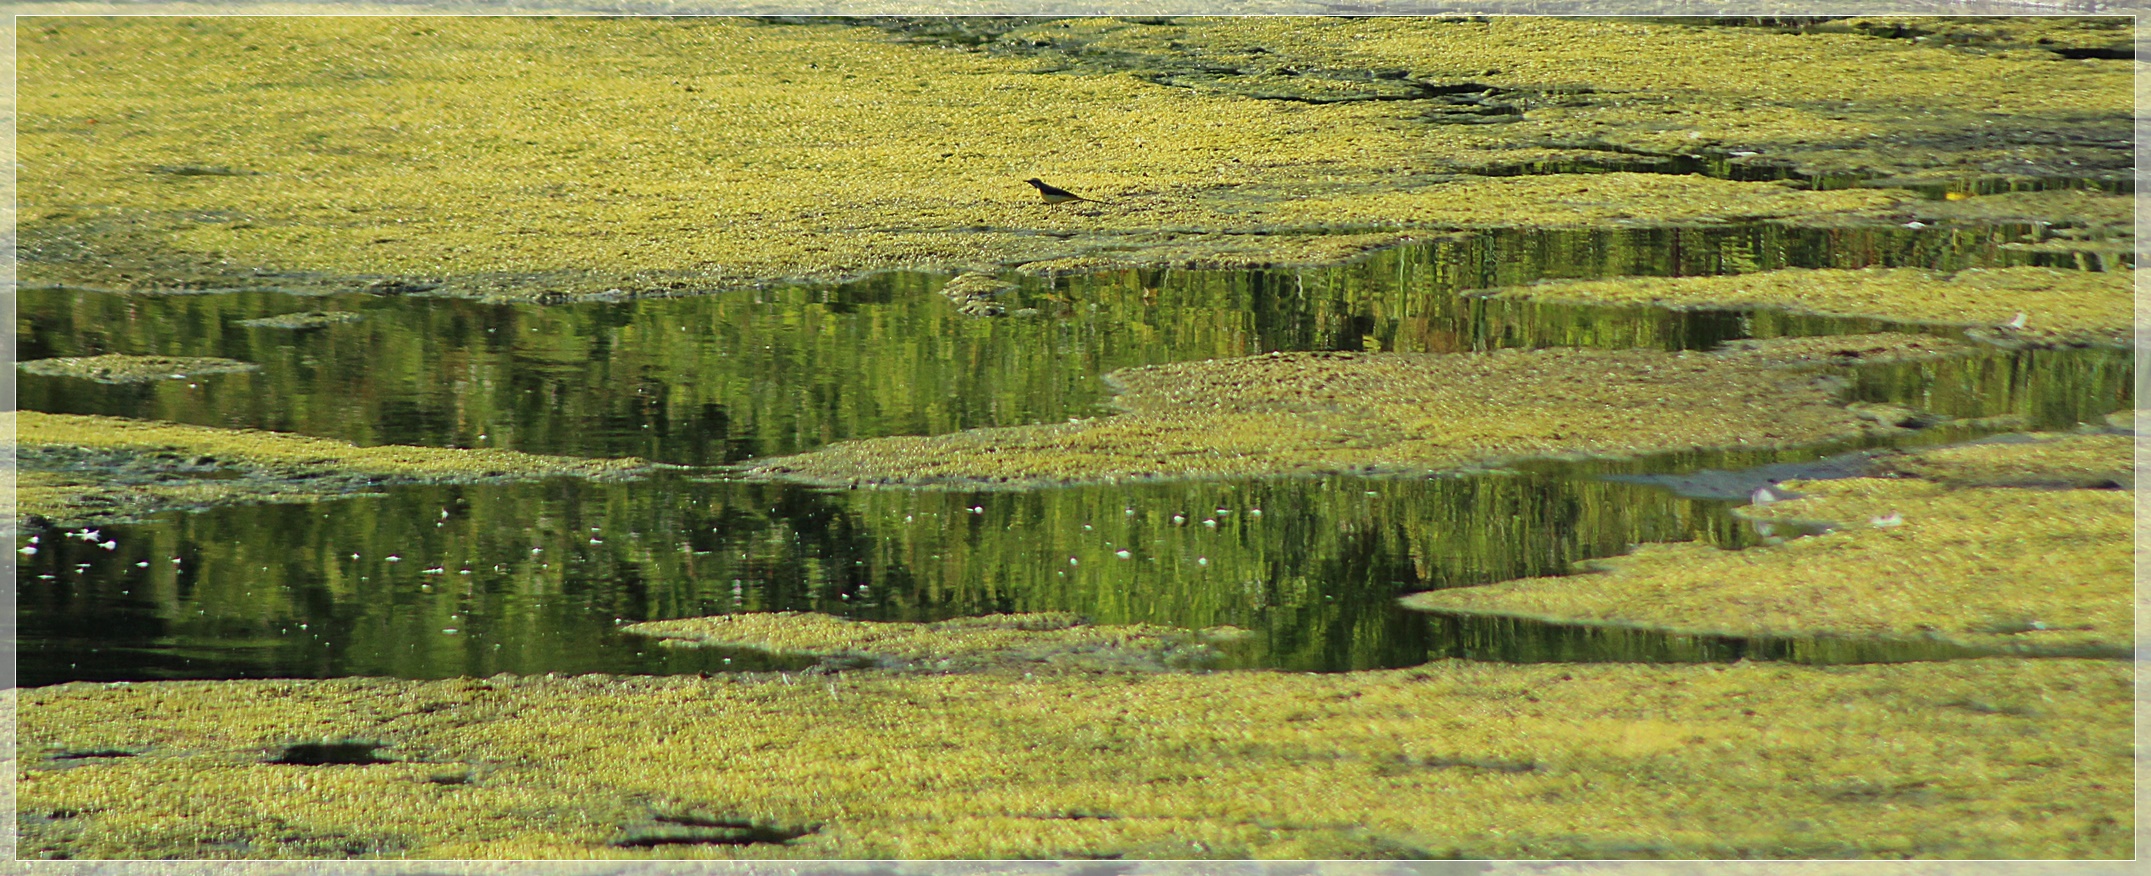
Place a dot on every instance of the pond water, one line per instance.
(435, 581)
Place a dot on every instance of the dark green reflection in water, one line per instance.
(1515, 640)
(536, 577)
(727, 377)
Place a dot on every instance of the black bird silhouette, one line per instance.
(1054, 194)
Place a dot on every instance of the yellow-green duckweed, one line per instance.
(303, 321)
(1825, 102)
(2038, 461)
(2057, 305)
(1037, 641)
(1992, 33)
(272, 466)
(2020, 569)
(531, 158)
(116, 368)
(1314, 412)
(1968, 759)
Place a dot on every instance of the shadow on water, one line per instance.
(536, 577)
(1520, 640)
(722, 378)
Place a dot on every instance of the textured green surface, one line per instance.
(1960, 759)
(2056, 306)
(483, 156)
(102, 468)
(2008, 568)
(1390, 412)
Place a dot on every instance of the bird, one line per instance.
(1055, 195)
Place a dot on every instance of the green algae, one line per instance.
(1994, 758)
(1386, 412)
(2093, 213)
(307, 321)
(99, 469)
(1820, 103)
(1994, 33)
(1042, 641)
(505, 158)
(2057, 306)
(2086, 230)
(2035, 571)
(117, 368)
(974, 293)
(2068, 461)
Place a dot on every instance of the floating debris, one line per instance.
(303, 321)
(118, 368)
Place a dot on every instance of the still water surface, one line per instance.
(472, 580)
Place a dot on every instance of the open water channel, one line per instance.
(436, 581)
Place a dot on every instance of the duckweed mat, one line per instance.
(86, 469)
(2021, 569)
(1389, 413)
(1450, 759)
(1793, 240)
(2024, 305)
(563, 157)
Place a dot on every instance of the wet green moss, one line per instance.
(520, 158)
(1995, 33)
(2087, 212)
(2074, 461)
(1051, 641)
(303, 321)
(1820, 102)
(116, 368)
(1390, 412)
(2027, 570)
(2058, 306)
(94, 469)
(1968, 759)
